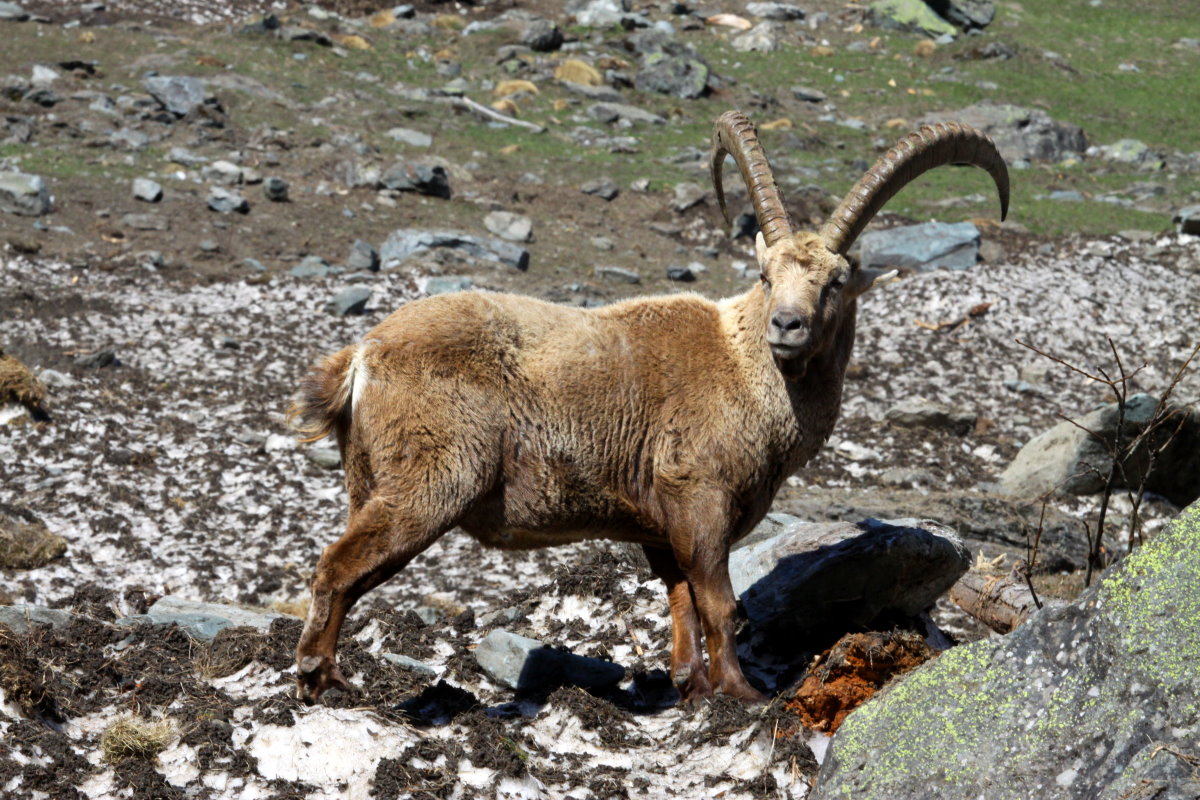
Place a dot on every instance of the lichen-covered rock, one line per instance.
(1084, 701)
(909, 15)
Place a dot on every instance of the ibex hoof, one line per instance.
(315, 676)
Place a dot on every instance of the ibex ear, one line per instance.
(866, 278)
(760, 250)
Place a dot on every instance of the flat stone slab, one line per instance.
(200, 620)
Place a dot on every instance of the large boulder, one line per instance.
(1025, 134)
(815, 577)
(930, 245)
(1074, 458)
(990, 524)
(1096, 699)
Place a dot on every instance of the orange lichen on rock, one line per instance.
(851, 671)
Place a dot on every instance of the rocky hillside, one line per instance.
(198, 199)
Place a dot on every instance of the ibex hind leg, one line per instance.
(688, 672)
(379, 541)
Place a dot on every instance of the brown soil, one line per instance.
(850, 672)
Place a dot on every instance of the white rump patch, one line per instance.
(357, 375)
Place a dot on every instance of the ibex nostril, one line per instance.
(787, 321)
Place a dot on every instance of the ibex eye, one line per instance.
(766, 282)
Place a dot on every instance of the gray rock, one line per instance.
(930, 245)
(177, 94)
(525, 664)
(968, 15)
(618, 274)
(444, 284)
(410, 137)
(819, 575)
(363, 257)
(324, 457)
(25, 195)
(310, 267)
(181, 155)
(604, 188)
(351, 300)
(224, 201)
(43, 76)
(908, 15)
(275, 189)
(223, 172)
(1022, 134)
(780, 12)
(129, 139)
(510, 226)
(686, 195)
(208, 246)
(13, 12)
(542, 36)
(297, 33)
(682, 76)
(1188, 220)
(254, 265)
(1070, 460)
(602, 94)
(990, 523)
(683, 273)
(406, 242)
(921, 413)
(808, 94)
(762, 38)
(21, 618)
(408, 664)
(147, 190)
(1075, 704)
(146, 222)
(1066, 196)
(597, 13)
(421, 178)
(199, 620)
(611, 112)
(96, 360)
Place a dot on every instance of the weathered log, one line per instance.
(1002, 602)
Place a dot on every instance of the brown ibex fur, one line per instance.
(668, 422)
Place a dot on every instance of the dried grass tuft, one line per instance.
(131, 737)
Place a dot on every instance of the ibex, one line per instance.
(669, 422)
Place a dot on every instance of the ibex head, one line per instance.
(807, 280)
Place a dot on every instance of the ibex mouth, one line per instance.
(793, 361)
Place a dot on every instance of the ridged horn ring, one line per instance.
(735, 134)
(920, 151)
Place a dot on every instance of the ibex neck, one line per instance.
(745, 322)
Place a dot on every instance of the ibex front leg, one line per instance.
(700, 541)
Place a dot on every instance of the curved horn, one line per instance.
(930, 146)
(735, 134)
